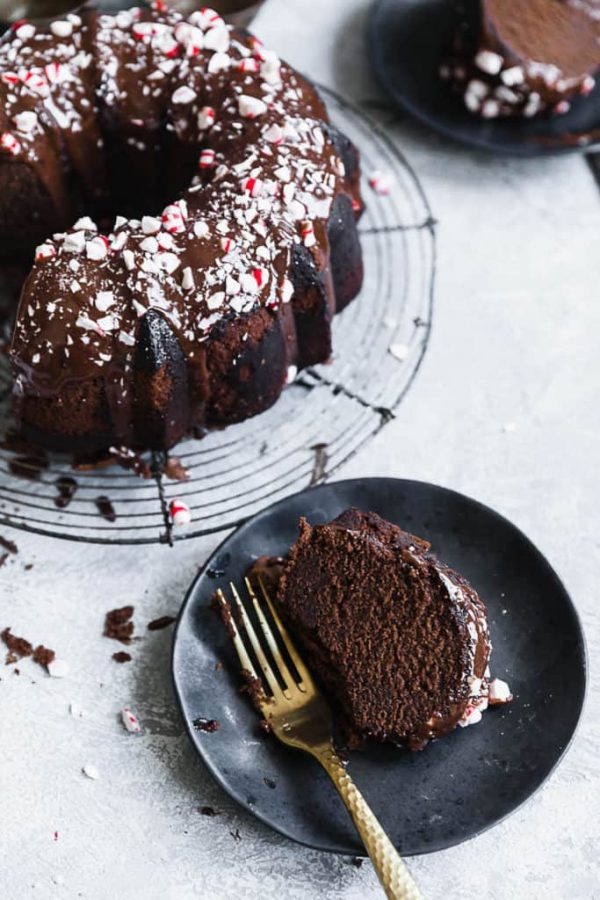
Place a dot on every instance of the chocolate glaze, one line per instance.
(184, 317)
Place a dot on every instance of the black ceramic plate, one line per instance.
(456, 787)
(407, 41)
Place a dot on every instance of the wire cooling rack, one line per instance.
(321, 420)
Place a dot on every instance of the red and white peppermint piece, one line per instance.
(499, 692)
(217, 39)
(206, 118)
(251, 107)
(588, 85)
(180, 513)
(74, 242)
(218, 62)
(286, 290)
(150, 224)
(260, 276)
(207, 159)
(274, 134)
(187, 279)
(97, 248)
(253, 186)
(167, 44)
(248, 65)
(10, 77)
(270, 69)
(9, 143)
(381, 182)
(61, 29)
(205, 17)
(307, 233)
(183, 95)
(24, 30)
(130, 721)
(57, 73)
(26, 121)
(143, 31)
(227, 244)
(44, 251)
(190, 37)
(173, 218)
(36, 83)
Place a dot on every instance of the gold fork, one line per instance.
(300, 717)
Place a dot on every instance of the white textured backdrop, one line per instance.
(515, 342)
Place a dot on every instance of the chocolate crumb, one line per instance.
(266, 726)
(236, 834)
(121, 657)
(66, 487)
(28, 567)
(270, 783)
(43, 655)
(118, 625)
(16, 671)
(8, 545)
(208, 811)
(162, 622)
(218, 666)
(357, 861)
(106, 509)
(17, 647)
(3, 559)
(207, 725)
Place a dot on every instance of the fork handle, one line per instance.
(393, 874)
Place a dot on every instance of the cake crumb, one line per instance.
(118, 625)
(43, 656)
(17, 647)
(121, 656)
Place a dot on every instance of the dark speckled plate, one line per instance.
(407, 40)
(454, 789)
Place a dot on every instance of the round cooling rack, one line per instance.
(321, 419)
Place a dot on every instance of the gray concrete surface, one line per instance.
(515, 343)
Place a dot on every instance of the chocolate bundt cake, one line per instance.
(234, 241)
(398, 640)
(521, 59)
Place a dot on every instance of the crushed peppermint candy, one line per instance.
(130, 721)
(251, 107)
(381, 182)
(181, 514)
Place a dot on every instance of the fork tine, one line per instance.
(285, 673)
(256, 645)
(307, 682)
(238, 643)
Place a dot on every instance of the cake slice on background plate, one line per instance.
(522, 59)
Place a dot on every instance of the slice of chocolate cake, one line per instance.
(521, 59)
(398, 640)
